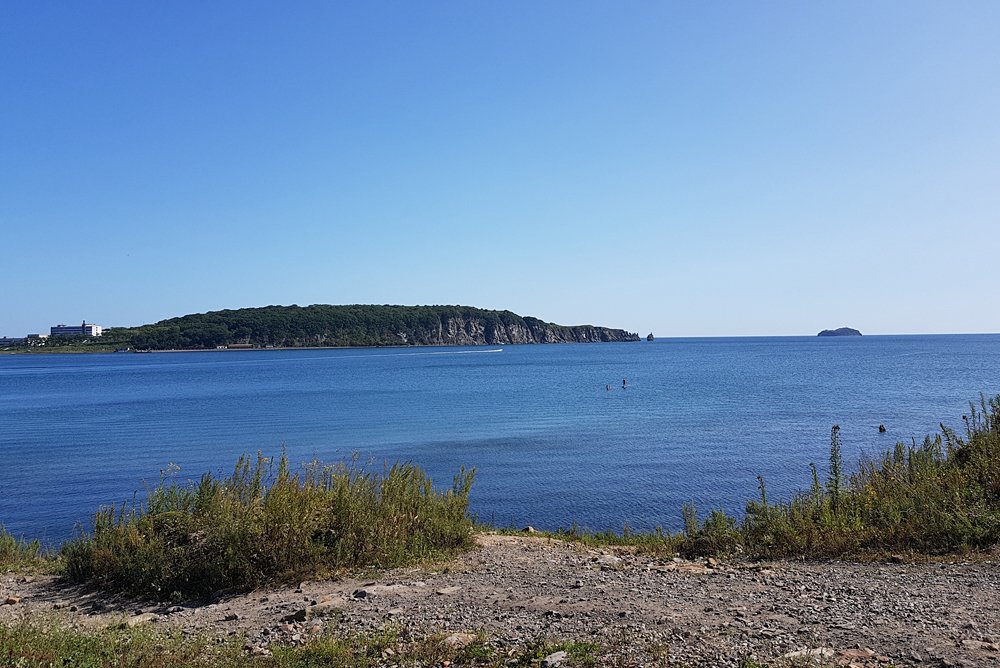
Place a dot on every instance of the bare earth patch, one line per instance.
(642, 610)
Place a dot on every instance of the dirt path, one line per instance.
(643, 611)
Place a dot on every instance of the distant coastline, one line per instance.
(329, 326)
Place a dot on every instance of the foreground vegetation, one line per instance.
(265, 523)
(27, 645)
(19, 553)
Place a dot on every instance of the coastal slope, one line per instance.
(359, 325)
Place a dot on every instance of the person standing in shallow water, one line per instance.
(623, 383)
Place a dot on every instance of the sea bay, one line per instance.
(698, 421)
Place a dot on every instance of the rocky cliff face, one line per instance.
(462, 331)
(363, 325)
(458, 331)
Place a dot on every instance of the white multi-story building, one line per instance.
(85, 329)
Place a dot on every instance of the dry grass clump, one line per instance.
(259, 525)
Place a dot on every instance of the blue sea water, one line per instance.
(699, 419)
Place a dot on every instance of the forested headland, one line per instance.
(324, 325)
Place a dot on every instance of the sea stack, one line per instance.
(650, 337)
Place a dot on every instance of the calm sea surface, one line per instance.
(698, 421)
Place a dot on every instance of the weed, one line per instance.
(265, 522)
(17, 553)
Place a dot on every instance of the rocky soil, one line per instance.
(641, 611)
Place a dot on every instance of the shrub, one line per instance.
(260, 524)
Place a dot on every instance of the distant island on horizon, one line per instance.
(326, 325)
(843, 331)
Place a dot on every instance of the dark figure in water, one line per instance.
(609, 387)
(881, 429)
(623, 383)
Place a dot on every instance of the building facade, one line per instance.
(85, 329)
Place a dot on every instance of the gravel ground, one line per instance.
(642, 611)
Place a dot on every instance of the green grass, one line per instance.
(19, 554)
(265, 523)
(34, 645)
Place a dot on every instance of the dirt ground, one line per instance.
(640, 610)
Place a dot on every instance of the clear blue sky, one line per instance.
(691, 169)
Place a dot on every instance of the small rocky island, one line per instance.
(843, 331)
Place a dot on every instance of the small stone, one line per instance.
(138, 620)
(297, 616)
(174, 609)
(529, 529)
(897, 559)
(12, 600)
(234, 617)
(554, 659)
(821, 652)
(856, 653)
(446, 591)
(976, 644)
(459, 639)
